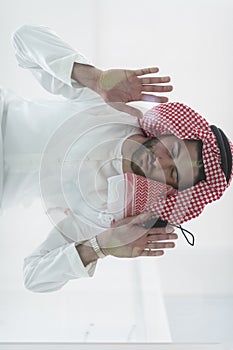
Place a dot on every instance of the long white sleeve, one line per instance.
(49, 58)
(51, 265)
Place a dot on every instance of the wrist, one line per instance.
(87, 75)
(95, 245)
(86, 253)
(102, 246)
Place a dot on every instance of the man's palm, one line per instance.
(120, 86)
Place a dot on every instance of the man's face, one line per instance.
(167, 159)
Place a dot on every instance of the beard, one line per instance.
(147, 145)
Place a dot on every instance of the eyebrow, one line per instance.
(177, 173)
(177, 177)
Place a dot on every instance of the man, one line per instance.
(72, 249)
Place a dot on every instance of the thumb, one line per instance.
(122, 107)
(139, 219)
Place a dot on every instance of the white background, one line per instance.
(186, 295)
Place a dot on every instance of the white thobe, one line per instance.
(82, 130)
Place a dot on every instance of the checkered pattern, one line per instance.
(163, 200)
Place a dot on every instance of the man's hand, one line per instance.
(119, 86)
(128, 238)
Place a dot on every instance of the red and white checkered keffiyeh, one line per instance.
(143, 194)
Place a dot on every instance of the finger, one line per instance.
(135, 220)
(126, 109)
(141, 219)
(144, 71)
(160, 245)
(154, 80)
(157, 231)
(165, 229)
(153, 98)
(156, 88)
(160, 230)
(152, 253)
(169, 229)
(162, 237)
